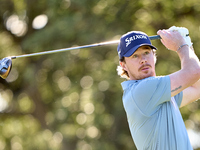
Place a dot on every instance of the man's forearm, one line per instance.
(189, 60)
(189, 73)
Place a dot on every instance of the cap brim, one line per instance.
(132, 50)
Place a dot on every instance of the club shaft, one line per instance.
(74, 48)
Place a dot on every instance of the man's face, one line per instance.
(141, 64)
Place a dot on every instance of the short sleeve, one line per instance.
(151, 92)
(179, 98)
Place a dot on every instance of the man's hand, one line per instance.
(184, 33)
(171, 39)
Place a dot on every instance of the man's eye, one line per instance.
(135, 56)
(146, 53)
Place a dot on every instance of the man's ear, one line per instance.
(123, 65)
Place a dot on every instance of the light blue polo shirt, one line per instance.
(153, 115)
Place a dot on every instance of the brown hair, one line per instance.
(121, 72)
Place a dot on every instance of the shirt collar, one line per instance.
(129, 83)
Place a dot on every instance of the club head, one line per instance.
(5, 67)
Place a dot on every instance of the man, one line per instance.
(152, 102)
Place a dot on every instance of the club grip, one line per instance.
(154, 37)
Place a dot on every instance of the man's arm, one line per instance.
(190, 67)
(191, 94)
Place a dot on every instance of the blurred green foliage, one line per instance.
(72, 100)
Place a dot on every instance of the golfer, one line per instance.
(152, 102)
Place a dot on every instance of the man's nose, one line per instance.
(143, 59)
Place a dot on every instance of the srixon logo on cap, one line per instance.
(128, 40)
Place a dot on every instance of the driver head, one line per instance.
(5, 67)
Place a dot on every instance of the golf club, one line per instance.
(5, 67)
(6, 63)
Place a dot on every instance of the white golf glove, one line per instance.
(184, 32)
